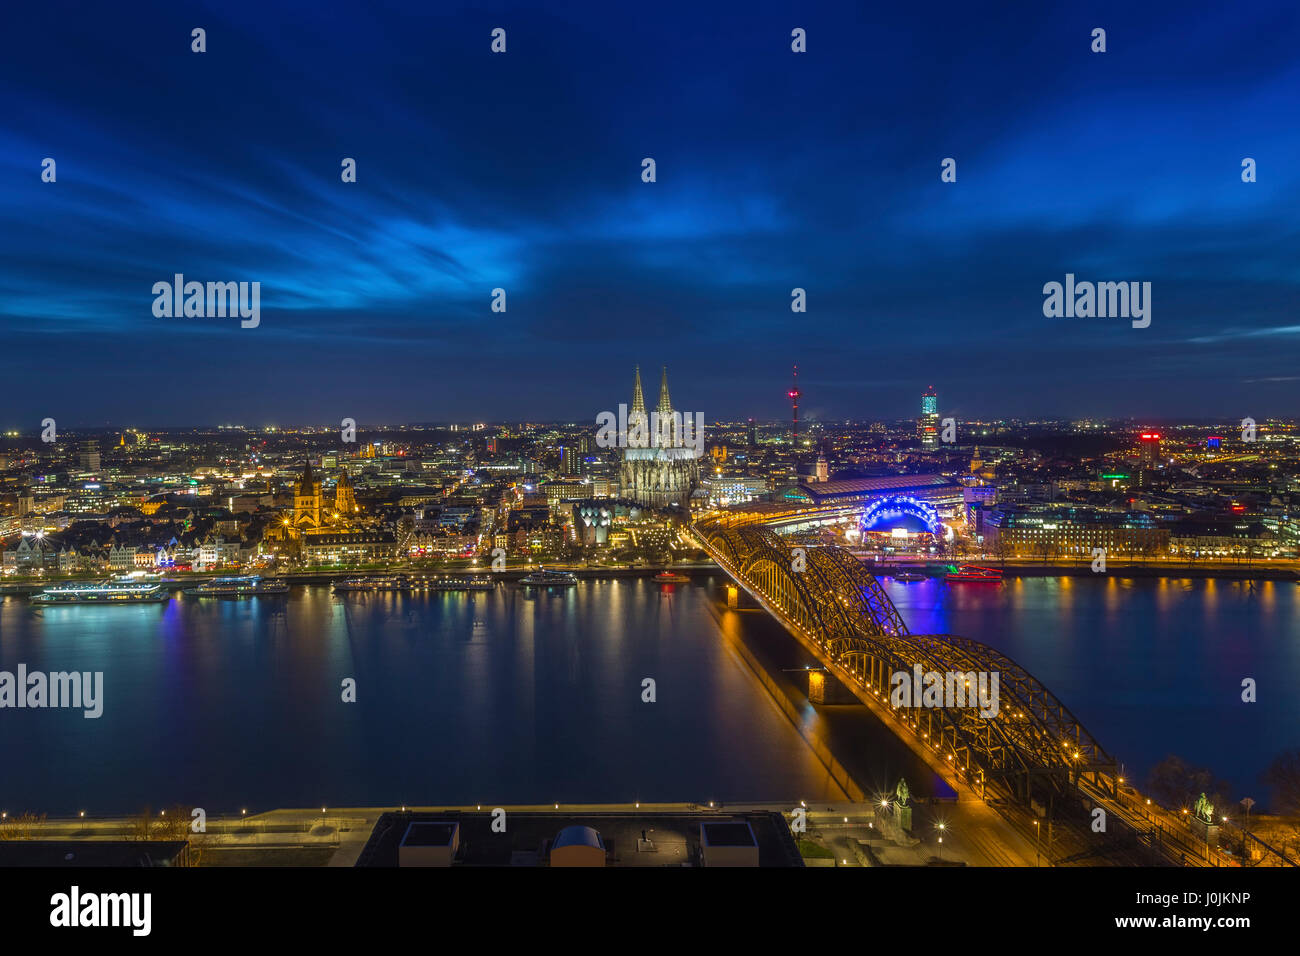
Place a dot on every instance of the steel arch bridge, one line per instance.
(834, 603)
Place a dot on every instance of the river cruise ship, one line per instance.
(113, 591)
(251, 585)
(541, 578)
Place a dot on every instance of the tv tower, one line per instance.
(794, 404)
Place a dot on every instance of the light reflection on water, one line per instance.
(1149, 666)
(510, 697)
(518, 697)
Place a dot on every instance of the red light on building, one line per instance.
(1150, 436)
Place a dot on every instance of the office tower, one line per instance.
(927, 426)
(1149, 449)
(88, 456)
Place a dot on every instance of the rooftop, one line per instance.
(653, 838)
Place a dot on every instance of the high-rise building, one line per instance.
(753, 434)
(927, 426)
(570, 459)
(89, 456)
(1149, 449)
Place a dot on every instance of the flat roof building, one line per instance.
(730, 843)
(429, 843)
(574, 837)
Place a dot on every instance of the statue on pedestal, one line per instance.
(1204, 809)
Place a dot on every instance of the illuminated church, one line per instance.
(307, 500)
(312, 514)
(664, 476)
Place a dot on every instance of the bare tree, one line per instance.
(1000, 548)
(1175, 783)
(1283, 776)
(172, 825)
(21, 827)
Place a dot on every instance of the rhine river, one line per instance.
(521, 697)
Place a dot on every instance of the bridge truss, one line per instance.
(831, 601)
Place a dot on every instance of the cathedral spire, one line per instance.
(638, 400)
(665, 405)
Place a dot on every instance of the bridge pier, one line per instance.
(825, 688)
(836, 609)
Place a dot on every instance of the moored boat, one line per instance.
(908, 576)
(352, 584)
(970, 572)
(671, 577)
(238, 586)
(112, 591)
(541, 578)
(468, 583)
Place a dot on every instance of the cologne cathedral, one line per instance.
(661, 476)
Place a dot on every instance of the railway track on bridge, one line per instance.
(1032, 750)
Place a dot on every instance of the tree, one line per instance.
(21, 827)
(1175, 783)
(1000, 548)
(170, 825)
(1283, 776)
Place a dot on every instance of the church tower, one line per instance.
(345, 498)
(638, 400)
(668, 436)
(307, 501)
(660, 473)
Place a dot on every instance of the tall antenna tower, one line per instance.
(794, 404)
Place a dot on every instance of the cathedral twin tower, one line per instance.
(664, 476)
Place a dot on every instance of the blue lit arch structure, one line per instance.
(896, 506)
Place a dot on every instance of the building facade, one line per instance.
(666, 473)
(927, 425)
(307, 501)
(1072, 532)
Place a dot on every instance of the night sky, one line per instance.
(523, 171)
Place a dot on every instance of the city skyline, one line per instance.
(776, 171)
(487, 434)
